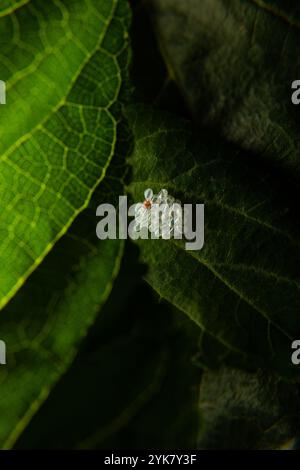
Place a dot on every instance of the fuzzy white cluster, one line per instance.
(160, 214)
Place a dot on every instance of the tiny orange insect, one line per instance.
(147, 204)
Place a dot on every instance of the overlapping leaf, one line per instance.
(235, 62)
(138, 341)
(239, 414)
(242, 288)
(44, 323)
(61, 61)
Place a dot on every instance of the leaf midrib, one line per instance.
(9, 10)
(231, 287)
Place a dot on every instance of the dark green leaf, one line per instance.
(247, 411)
(133, 376)
(242, 288)
(235, 61)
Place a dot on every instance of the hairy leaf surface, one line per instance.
(242, 288)
(247, 411)
(235, 61)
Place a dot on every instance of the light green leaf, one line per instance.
(44, 323)
(235, 63)
(62, 64)
(242, 288)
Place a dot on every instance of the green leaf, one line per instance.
(63, 67)
(235, 63)
(42, 336)
(46, 320)
(148, 72)
(42, 346)
(242, 288)
(247, 411)
(138, 341)
(10, 6)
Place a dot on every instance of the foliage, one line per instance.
(149, 345)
